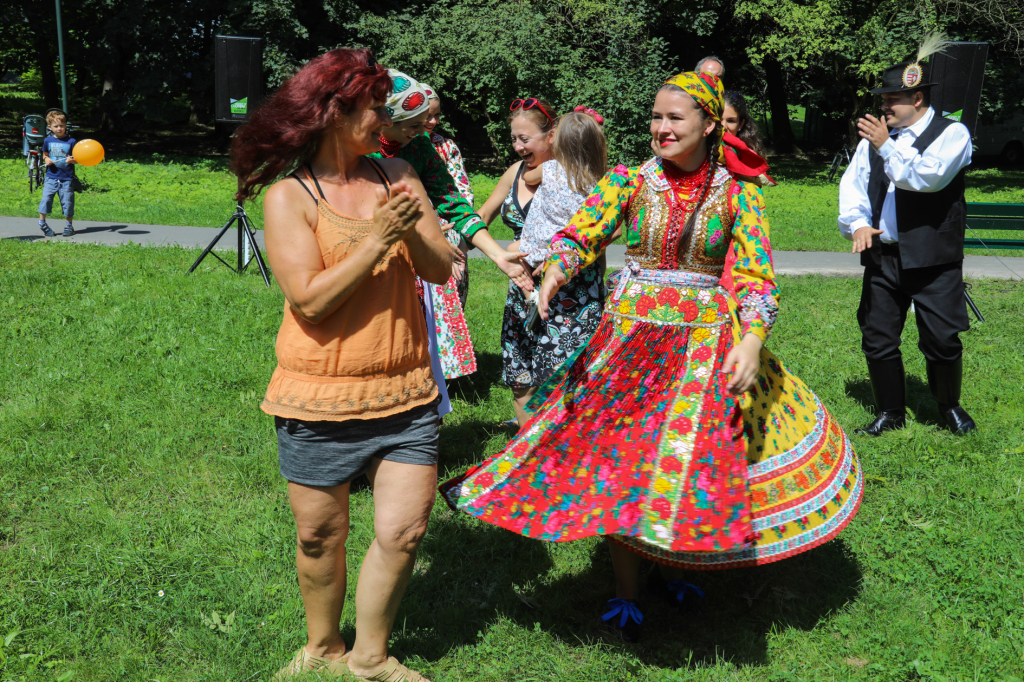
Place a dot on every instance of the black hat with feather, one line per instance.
(909, 76)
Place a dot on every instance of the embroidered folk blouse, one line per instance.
(732, 217)
(449, 151)
(451, 206)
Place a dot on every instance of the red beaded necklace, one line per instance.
(686, 184)
(388, 149)
(687, 188)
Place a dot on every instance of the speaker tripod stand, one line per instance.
(246, 245)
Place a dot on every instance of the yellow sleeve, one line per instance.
(583, 240)
(753, 272)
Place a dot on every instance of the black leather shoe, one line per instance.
(687, 598)
(886, 421)
(959, 421)
(888, 385)
(945, 379)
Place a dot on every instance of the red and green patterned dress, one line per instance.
(458, 220)
(636, 436)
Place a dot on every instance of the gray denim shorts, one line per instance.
(324, 453)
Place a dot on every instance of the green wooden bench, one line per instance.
(984, 216)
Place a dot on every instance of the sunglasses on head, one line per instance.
(530, 103)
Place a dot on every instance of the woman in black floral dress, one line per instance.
(532, 123)
(532, 349)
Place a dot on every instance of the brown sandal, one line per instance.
(304, 662)
(393, 671)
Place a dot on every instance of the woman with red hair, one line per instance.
(353, 391)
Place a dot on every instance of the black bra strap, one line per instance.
(382, 174)
(309, 169)
(303, 185)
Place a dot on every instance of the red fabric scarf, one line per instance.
(741, 159)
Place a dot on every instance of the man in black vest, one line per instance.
(902, 204)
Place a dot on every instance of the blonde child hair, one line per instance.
(54, 116)
(580, 146)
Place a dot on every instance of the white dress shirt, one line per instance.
(907, 169)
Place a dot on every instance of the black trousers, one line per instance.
(939, 301)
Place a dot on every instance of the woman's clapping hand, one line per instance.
(394, 219)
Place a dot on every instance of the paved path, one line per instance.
(786, 262)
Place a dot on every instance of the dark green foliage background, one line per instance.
(482, 54)
(135, 63)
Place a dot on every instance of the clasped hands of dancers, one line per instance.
(656, 418)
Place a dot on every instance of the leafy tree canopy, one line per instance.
(136, 60)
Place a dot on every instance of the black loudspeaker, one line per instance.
(960, 73)
(238, 77)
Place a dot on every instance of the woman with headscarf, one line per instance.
(408, 106)
(446, 147)
(737, 121)
(672, 431)
(452, 157)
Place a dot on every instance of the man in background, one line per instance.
(901, 203)
(711, 64)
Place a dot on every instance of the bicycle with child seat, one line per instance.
(842, 158)
(34, 130)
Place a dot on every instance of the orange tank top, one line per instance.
(367, 359)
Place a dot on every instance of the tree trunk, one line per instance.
(200, 90)
(51, 94)
(782, 131)
(493, 140)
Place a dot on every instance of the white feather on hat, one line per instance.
(933, 43)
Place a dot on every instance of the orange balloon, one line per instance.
(88, 152)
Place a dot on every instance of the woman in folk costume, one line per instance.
(452, 157)
(409, 107)
(672, 431)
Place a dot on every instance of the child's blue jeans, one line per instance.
(61, 188)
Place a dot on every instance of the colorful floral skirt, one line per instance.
(637, 438)
(454, 344)
(530, 356)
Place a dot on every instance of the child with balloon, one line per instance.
(61, 153)
(60, 173)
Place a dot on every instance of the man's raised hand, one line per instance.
(873, 130)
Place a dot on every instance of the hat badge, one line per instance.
(912, 75)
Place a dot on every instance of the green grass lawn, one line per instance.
(151, 190)
(804, 206)
(140, 494)
(159, 190)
